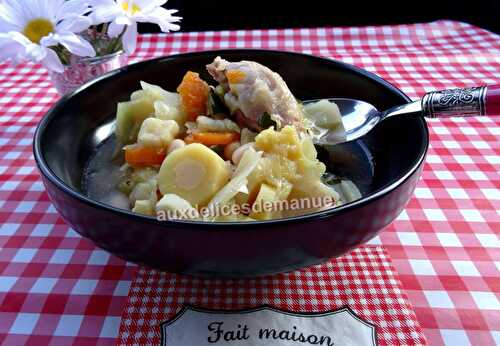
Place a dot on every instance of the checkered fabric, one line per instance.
(57, 288)
(363, 279)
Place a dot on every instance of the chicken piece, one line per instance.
(252, 90)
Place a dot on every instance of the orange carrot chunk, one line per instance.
(215, 138)
(235, 76)
(143, 156)
(194, 95)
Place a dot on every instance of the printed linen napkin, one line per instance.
(352, 300)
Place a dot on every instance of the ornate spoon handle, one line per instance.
(465, 102)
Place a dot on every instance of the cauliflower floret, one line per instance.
(157, 133)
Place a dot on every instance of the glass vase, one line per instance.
(81, 70)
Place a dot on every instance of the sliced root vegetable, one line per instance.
(140, 156)
(176, 207)
(215, 138)
(194, 94)
(193, 172)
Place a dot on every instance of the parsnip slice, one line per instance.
(176, 207)
(194, 172)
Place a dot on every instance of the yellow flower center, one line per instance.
(130, 9)
(38, 28)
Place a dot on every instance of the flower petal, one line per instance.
(74, 24)
(73, 8)
(163, 18)
(129, 39)
(36, 52)
(102, 3)
(149, 5)
(10, 49)
(123, 20)
(115, 29)
(12, 15)
(52, 61)
(49, 9)
(50, 40)
(75, 44)
(20, 38)
(6, 26)
(105, 13)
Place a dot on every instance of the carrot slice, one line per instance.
(235, 76)
(143, 156)
(194, 95)
(215, 138)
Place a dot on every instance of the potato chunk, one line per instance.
(287, 157)
(263, 205)
(194, 173)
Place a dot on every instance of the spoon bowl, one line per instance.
(360, 117)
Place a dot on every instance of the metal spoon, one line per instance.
(359, 117)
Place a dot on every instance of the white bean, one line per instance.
(175, 144)
(230, 149)
(238, 153)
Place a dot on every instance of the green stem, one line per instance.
(115, 43)
(104, 28)
(61, 53)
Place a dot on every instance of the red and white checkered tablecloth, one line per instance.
(364, 280)
(57, 288)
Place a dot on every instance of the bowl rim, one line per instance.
(47, 172)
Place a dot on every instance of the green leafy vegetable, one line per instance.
(266, 122)
(215, 104)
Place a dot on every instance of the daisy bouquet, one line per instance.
(53, 32)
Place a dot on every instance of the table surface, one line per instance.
(58, 288)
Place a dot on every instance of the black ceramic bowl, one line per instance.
(386, 164)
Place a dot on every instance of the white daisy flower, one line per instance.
(28, 28)
(125, 14)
